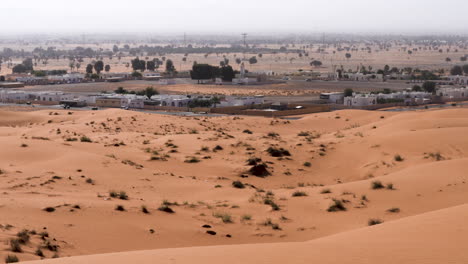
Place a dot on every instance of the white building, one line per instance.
(333, 98)
(456, 79)
(67, 78)
(241, 100)
(360, 100)
(453, 93)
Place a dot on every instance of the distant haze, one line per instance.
(229, 16)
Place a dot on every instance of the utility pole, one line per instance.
(244, 36)
(185, 40)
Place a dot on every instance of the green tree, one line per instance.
(121, 90)
(253, 60)
(429, 86)
(170, 66)
(348, 92)
(150, 65)
(348, 56)
(456, 70)
(227, 73)
(465, 68)
(99, 66)
(89, 69)
(107, 68)
(20, 68)
(201, 72)
(316, 63)
(150, 91)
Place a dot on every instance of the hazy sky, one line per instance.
(229, 16)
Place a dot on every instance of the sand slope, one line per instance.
(436, 237)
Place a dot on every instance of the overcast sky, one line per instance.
(234, 16)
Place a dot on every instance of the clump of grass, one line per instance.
(270, 202)
(273, 134)
(253, 161)
(15, 245)
(119, 208)
(303, 134)
(374, 221)
(23, 236)
(246, 217)
(218, 148)
(144, 209)
(225, 217)
(122, 195)
(24, 145)
(307, 164)
(375, 185)
(394, 210)
(11, 259)
(278, 152)
(90, 181)
(269, 222)
(336, 206)
(390, 186)
(324, 191)
(299, 194)
(398, 158)
(39, 252)
(247, 131)
(192, 160)
(165, 208)
(85, 139)
(238, 184)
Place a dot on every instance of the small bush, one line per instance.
(225, 217)
(307, 164)
(144, 209)
(122, 195)
(278, 152)
(398, 158)
(49, 209)
(120, 208)
(238, 184)
(166, 208)
(299, 194)
(11, 259)
(390, 186)
(269, 222)
(85, 139)
(273, 134)
(374, 221)
(15, 245)
(394, 210)
(23, 236)
(246, 217)
(336, 206)
(253, 161)
(24, 145)
(377, 185)
(192, 160)
(217, 148)
(324, 191)
(246, 131)
(39, 252)
(270, 202)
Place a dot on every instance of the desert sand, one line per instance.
(64, 173)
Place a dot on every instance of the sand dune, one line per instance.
(190, 164)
